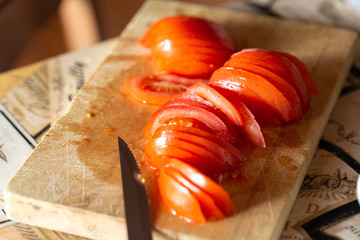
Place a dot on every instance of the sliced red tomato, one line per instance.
(283, 86)
(187, 122)
(280, 66)
(166, 113)
(207, 92)
(260, 86)
(251, 128)
(217, 193)
(188, 46)
(157, 89)
(158, 156)
(189, 99)
(198, 28)
(199, 158)
(187, 60)
(230, 158)
(308, 78)
(264, 113)
(210, 137)
(207, 204)
(179, 199)
(194, 50)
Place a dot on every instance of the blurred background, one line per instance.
(33, 30)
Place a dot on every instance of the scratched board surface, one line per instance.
(72, 182)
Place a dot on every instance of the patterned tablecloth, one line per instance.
(326, 206)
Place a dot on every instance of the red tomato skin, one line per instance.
(179, 199)
(251, 129)
(278, 66)
(207, 92)
(157, 156)
(209, 136)
(207, 204)
(256, 85)
(198, 28)
(198, 156)
(188, 46)
(261, 109)
(283, 86)
(189, 99)
(219, 195)
(308, 78)
(228, 157)
(165, 113)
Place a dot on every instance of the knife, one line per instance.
(137, 210)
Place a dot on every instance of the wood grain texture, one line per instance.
(72, 181)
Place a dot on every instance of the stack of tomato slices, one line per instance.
(197, 130)
(188, 46)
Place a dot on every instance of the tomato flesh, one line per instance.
(219, 195)
(179, 199)
(189, 99)
(197, 156)
(279, 66)
(188, 46)
(157, 89)
(259, 107)
(205, 91)
(283, 86)
(259, 86)
(208, 136)
(308, 78)
(157, 156)
(165, 114)
(228, 158)
(251, 129)
(207, 204)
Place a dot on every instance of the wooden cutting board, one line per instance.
(72, 183)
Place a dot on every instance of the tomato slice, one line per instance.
(263, 111)
(258, 85)
(218, 194)
(308, 78)
(199, 158)
(187, 123)
(158, 156)
(158, 89)
(283, 86)
(251, 128)
(187, 60)
(230, 158)
(166, 113)
(188, 46)
(281, 67)
(179, 199)
(195, 49)
(198, 28)
(189, 99)
(205, 91)
(207, 204)
(210, 137)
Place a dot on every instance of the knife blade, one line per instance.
(137, 210)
